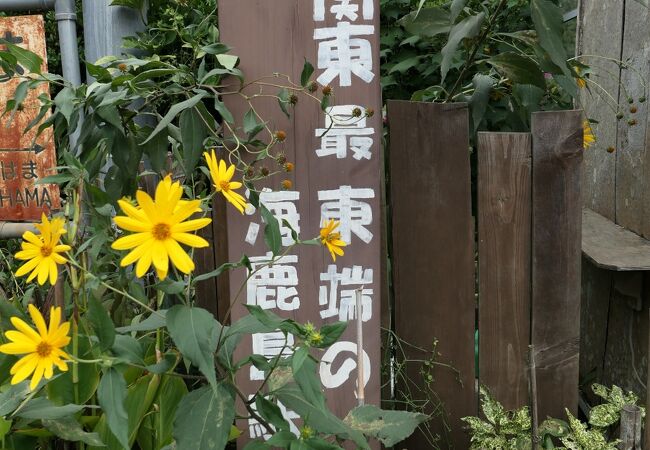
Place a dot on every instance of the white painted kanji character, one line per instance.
(343, 8)
(273, 286)
(341, 54)
(270, 345)
(345, 369)
(344, 131)
(341, 302)
(342, 204)
(256, 430)
(282, 205)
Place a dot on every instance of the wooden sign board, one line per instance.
(337, 176)
(24, 159)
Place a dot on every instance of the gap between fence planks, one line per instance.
(433, 255)
(504, 224)
(556, 249)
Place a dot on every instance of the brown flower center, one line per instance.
(44, 349)
(46, 251)
(224, 185)
(161, 231)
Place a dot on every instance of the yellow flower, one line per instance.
(580, 80)
(221, 176)
(159, 226)
(42, 252)
(331, 239)
(41, 347)
(589, 138)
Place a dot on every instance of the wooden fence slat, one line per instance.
(433, 254)
(556, 248)
(504, 227)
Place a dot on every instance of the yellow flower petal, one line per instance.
(190, 239)
(25, 329)
(191, 225)
(38, 320)
(179, 258)
(132, 240)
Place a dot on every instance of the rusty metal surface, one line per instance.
(24, 160)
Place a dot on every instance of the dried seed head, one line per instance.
(611, 149)
(264, 171)
(370, 112)
(293, 99)
(356, 112)
(327, 90)
(281, 159)
(122, 67)
(287, 184)
(288, 167)
(280, 135)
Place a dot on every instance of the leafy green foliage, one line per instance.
(511, 430)
(485, 53)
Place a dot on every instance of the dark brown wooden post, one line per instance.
(504, 232)
(556, 249)
(433, 256)
(631, 420)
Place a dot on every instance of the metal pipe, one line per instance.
(26, 5)
(10, 230)
(66, 18)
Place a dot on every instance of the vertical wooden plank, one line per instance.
(504, 213)
(433, 253)
(600, 166)
(339, 182)
(632, 164)
(556, 249)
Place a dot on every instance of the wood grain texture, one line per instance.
(632, 164)
(599, 173)
(276, 37)
(433, 253)
(504, 230)
(610, 246)
(556, 249)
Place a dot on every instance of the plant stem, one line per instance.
(478, 45)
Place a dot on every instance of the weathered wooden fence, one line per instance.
(528, 219)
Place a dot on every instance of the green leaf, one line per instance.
(13, 397)
(272, 233)
(307, 72)
(193, 133)
(70, 430)
(224, 111)
(405, 64)
(282, 439)
(549, 24)
(428, 22)
(320, 418)
(42, 408)
(203, 419)
(135, 4)
(176, 109)
(271, 413)
(465, 29)
(30, 60)
(519, 69)
(101, 322)
(251, 125)
(228, 61)
(331, 333)
(456, 8)
(283, 101)
(195, 333)
(390, 427)
(153, 322)
(128, 349)
(100, 73)
(480, 98)
(111, 395)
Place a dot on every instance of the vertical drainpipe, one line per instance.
(66, 18)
